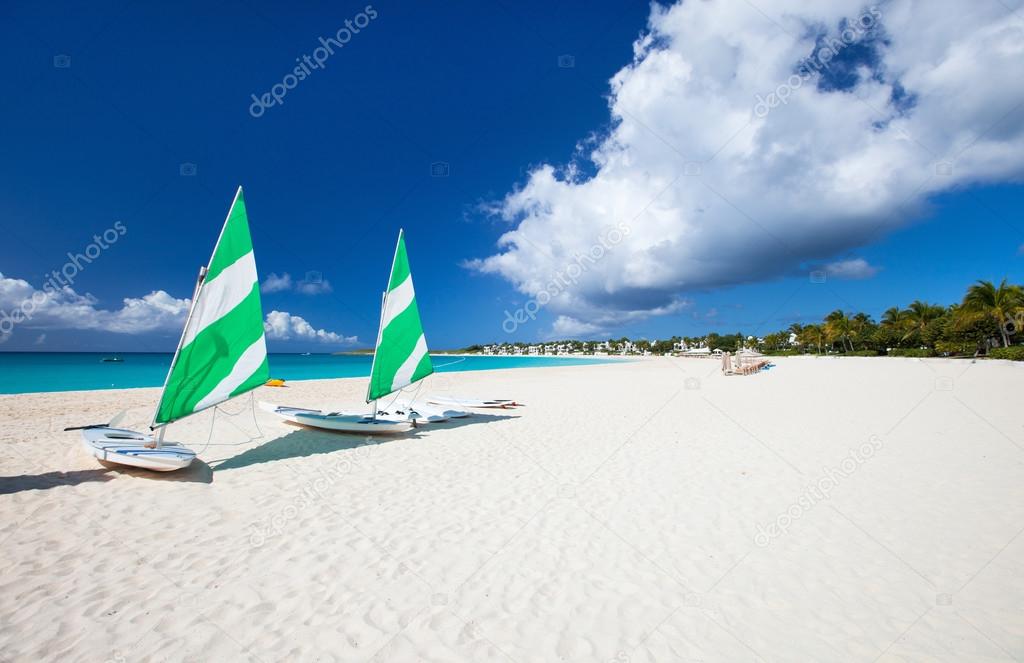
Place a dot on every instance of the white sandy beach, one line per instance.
(647, 512)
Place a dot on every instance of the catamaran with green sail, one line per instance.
(400, 359)
(222, 354)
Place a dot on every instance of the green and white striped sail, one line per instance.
(401, 357)
(223, 352)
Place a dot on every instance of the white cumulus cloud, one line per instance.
(853, 269)
(715, 190)
(275, 283)
(52, 308)
(283, 326)
(313, 284)
(568, 327)
(23, 305)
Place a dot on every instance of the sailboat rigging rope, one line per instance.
(419, 385)
(250, 438)
(451, 362)
(398, 394)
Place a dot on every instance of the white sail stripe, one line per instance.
(403, 376)
(242, 371)
(218, 297)
(399, 299)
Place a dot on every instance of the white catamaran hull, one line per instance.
(459, 402)
(336, 421)
(126, 447)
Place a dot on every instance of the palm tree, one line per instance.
(811, 335)
(918, 316)
(983, 299)
(894, 317)
(860, 325)
(837, 328)
(775, 341)
(893, 326)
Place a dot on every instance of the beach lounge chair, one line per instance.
(727, 367)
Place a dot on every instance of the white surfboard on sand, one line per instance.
(420, 411)
(466, 401)
(337, 421)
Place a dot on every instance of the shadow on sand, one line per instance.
(307, 441)
(18, 483)
(197, 472)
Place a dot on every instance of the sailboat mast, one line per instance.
(380, 331)
(177, 351)
(380, 327)
(195, 298)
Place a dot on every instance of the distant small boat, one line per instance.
(112, 360)
(306, 354)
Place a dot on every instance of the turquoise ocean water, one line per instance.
(25, 372)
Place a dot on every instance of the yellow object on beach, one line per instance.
(274, 382)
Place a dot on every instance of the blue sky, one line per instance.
(108, 134)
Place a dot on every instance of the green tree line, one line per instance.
(988, 315)
(989, 318)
